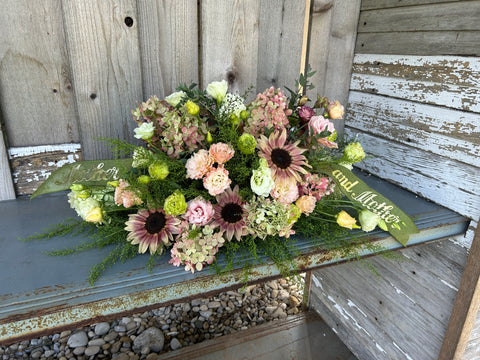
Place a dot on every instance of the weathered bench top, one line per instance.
(42, 294)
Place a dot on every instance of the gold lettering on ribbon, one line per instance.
(79, 174)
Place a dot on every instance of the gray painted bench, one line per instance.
(42, 294)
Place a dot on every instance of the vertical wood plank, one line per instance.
(280, 43)
(332, 44)
(229, 42)
(169, 44)
(102, 39)
(7, 191)
(465, 308)
(36, 93)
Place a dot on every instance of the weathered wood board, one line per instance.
(393, 316)
(7, 191)
(36, 90)
(103, 48)
(32, 165)
(168, 44)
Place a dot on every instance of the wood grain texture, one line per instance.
(105, 58)
(403, 313)
(451, 16)
(380, 4)
(332, 43)
(466, 306)
(281, 25)
(420, 43)
(32, 165)
(169, 45)
(448, 81)
(7, 191)
(229, 43)
(36, 94)
(425, 127)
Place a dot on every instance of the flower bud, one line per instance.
(209, 138)
(158, 170)
(84, 194)
(234, 120)
(95, 215)
(346, 221)
(77, 187)
(193, 109)
(243, 114)
(175, 204)
(144, 179)
(303, 100)
(321, 102)
(247, 144)
(113, 183)
(335, 110)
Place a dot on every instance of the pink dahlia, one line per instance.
(285, 160)
(221, 152)
(216, 181)
(151, 228)
(230, 215)
(199, 211)
(199, 164)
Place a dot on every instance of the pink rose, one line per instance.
(221, 152)
(216, 181)
(199, 211)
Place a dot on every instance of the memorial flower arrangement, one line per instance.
(219, 174)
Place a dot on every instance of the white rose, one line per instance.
(217, 90)
(262, 182)
(144, 131)
(175, 98)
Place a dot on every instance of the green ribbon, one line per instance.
(90, 172)
(399, 224)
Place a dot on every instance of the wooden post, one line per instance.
(465, 308)
(7, 191)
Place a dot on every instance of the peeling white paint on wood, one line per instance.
(32, 165)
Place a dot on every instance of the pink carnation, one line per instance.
(199, 164)
(306, 204)
(221, 152)
(199, 211)
(216, 181)
(124, 197)
(318, 124)
(285, 191)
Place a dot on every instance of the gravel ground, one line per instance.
(149, 334)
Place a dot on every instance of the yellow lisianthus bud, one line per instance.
(84, 194)
(345, 220)
(113, 183)
(209, 138)
(94, 215)
(158, 170)
(193, 109)
(77, 187)
(243, 114)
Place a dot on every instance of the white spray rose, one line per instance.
(217, 90)
(144, 131)
(175, 98)
(261, 181)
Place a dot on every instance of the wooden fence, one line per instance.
(72, 71)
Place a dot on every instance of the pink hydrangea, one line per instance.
(306, 204)
(199, 164)
(125, 197)
(286, 191)
(221, 152)
(216, 181)
(199, 211)
(268, 110)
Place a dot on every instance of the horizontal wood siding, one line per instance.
(413, 104)
(419, 27)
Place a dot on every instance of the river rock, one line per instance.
(78, 339)
(152, 337)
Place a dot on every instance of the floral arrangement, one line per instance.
(217, 173)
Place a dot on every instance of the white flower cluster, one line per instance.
(232, 104)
